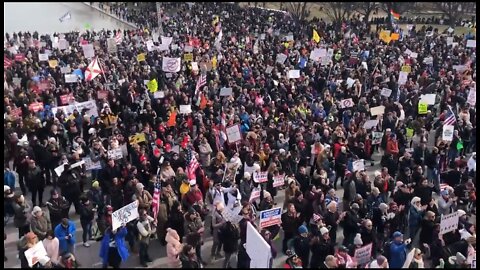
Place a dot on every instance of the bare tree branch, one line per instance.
(455, 10)
(339, 11)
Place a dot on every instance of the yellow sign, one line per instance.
(316, 37)
(422, 107)
(152, 85)
(384, 36)
(137, 138)
(141, 57)
(407, 68)
(53, 63)
(214, 62)
(188, 57)
(395, 36)
(409, 133)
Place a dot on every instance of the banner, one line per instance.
(363, 254)
(449, 223)
(270, 217)
(278, 180)
(260, 177)
(124, 215)
(233, 134)
(447, 134)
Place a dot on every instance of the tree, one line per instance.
(298, 9)
(365, 9)
(339, 12)
(455, 10)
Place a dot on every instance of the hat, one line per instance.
(54, 191)
(191, 211)
(316, 217)
(343, 248)
(109, 208)
(36, 209)
(290, 181)
(415, 200)
(282, 151)
(142, 158)
(158, 142)
(355, 206)
(383, 206)
(6, 188)
(397, 234)
(323, 230)
(358, 240)
(461, 212)
(247, 175)
(192, 182)
(139, 186)
(168, 147)
(302, 229)
(95, 184)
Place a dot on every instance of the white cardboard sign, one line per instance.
(260, 177)
(233, 134)
(124, 215)
(449, 223)
(447, 134)
(358, 165)
(379, 110)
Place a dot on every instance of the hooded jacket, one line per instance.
(174, 248)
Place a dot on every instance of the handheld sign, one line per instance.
(260, 177)
(278, 180)
(124, 215)
(449, 223)
(270, 217)
(233, 134)
(362, 255)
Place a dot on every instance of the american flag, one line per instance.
(202, 80)
(450, 118)
(156, 200)
(119, 37)
(192, 164)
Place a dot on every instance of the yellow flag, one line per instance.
(137, 138)
(53, 63)
(152, 85)
(395, 36)
(384, 36)
(141, 57)
(316, 37)
(214, 61)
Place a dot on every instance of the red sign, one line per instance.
(16, 112)
(65, 99)
(7, 62)
(20, 57)
(102, 94)
(44, 85)
(35, 107)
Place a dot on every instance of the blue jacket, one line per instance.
(9, 180)
(398, 254)
(121, 247)
(414, 218)
(61, 232)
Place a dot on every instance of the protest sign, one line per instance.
(137, 138)
(71, 78)
(188, 49)
(232, 215)
(472, 97)
(377, 137)
(185, 109)
(346, 103)
(171, 65)
(386, 92)
(36, 106)
(409, 133)
(90, 165)
(358, 165)
(269, 69)
(166, 40)
(278, 180)
(407, 68)
(112, 45)
(471, 43)
(414, 55)
(65, 70)
(270, 217)
(141, 57)
(379, 110)
(37, 251)
(294, 74)
(449, 223)
(260, 177)
(255, 194)
(428, 98)
(188, 57)
(66, 99)
(115, 154)
(150, 45)
(363, 254)
(350, 82)
(225, 92)
(88, 51)
(124, 215)
(42, 57)
(159, 94)
(402, 78)
(447, 134)
(422, 107)
(370, 124)
(257, 248)
(281, 58)
(233, 134)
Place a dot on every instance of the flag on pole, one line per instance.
(156, 200)
(192, 164)
(316, 37)
(394, 15)
(65, 17)
(93, 70)
(450, 118)
(202, 80)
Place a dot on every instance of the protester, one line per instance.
(51, 244)
(113, 250)
(65, 232)
(39, 224)
(174, 248)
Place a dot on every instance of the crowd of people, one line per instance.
(185, 171)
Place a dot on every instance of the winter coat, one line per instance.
(398, 254)
(35, 179)
(415, 217)
(229, 236)
(58, 209)
(51, 246)
(61, 232)
(204, 154)
(22, 214)
(120, 243)
(174, 248)
(40, 226)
